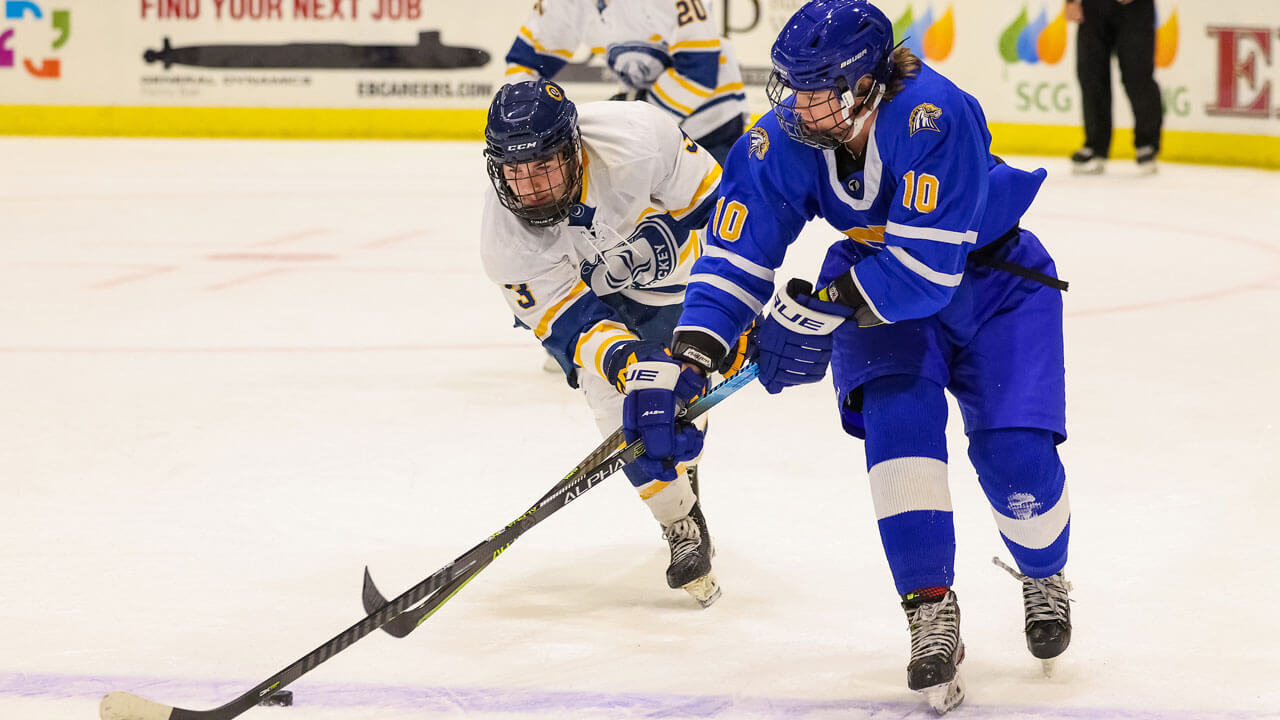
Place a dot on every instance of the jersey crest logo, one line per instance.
(924, 117)
(759, 142)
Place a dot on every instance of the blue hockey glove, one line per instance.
(645, 257)
(637, 64)
(795, 339)
(657, 388)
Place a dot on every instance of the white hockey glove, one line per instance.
(637, 65)
(646, 257)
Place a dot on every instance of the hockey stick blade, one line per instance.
(126, 706)
(402, 625)
(405, 623)
(444, 582)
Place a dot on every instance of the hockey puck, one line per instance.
(283, 698)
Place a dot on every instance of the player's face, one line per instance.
(822, 114)
(538, 183)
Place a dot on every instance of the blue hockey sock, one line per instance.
(906, 418)
(1024, 480)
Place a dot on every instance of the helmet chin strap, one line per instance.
(855, 115)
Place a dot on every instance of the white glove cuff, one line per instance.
(650, 374)
(789, 313)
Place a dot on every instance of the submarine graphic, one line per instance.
(429, 53)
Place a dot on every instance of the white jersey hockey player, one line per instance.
(668, 53)
(591, 232)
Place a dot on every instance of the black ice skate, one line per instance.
(691, 553)
(936, 649)
(1048, 615)
(1085, 162)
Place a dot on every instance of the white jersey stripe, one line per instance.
(870, 304)
(924, 271)
(934, 234)
(728, 286)
(740, 262)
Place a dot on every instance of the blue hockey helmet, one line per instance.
(830, 45)
(532, 151)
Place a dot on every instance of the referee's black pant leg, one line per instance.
(1094, 40)
(1136, 49)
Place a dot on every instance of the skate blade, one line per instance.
(1048, 666)
(946, 697)
(705, 589)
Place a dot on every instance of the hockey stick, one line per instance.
(126, 706)
(405, 623)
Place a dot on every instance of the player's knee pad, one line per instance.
(1025, 482)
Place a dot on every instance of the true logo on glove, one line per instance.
(642, 375)
(796, 317)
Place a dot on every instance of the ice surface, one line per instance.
(233, 373)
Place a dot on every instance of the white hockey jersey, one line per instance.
(635, 163)
(702, 83)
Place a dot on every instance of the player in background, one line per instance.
(591, 232)
(933, 285)
(668, 53)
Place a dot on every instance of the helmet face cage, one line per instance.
(825, 52)
(821, 119)
(825, 118)
(528, 188)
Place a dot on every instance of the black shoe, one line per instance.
(1085, 162)
(1146, 160)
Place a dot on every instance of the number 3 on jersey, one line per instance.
(524, 298)
(728, 220)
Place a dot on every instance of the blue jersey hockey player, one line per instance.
(933, 286)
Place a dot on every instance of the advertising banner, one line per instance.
(303, 67)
